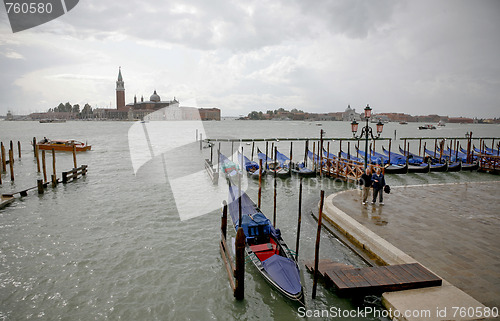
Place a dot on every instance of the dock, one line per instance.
(350, 281)
(450, 229)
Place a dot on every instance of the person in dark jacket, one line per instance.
(366, 182)
(378, 183)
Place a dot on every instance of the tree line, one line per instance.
(258, 115)
(68, 108)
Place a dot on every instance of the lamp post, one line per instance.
(366, 131)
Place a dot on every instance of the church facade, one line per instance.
(139, 110)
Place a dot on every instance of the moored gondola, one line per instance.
(265, 247)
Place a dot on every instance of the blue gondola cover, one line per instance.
(284, 272)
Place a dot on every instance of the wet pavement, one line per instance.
(453, 229)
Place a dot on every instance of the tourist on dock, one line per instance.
(378, 186)
(366, 181)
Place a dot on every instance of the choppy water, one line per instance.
(112, 246)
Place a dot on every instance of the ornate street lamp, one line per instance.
(366, 131)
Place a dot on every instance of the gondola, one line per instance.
(265, 247)
(455, 167)
(422, 168)
(470, 167)
(396, 169)
(439, 167)
(413, 159)
(295, 168)
(273, 166)
(229, 168)
(251, 167)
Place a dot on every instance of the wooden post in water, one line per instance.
(37, 159)
(441, 146)
(201, 141)
(299, 220)
(34, 146)
(19, 148)
(291, 154)
(316, 251)
(44, 167)
(239, 198)
(267, 145)
(406, 154)
(239, 273)
(196, 137)
(212, 153)
(357, 150)
(11, 163)
(4, 161)
(328, 162)
(74, 156)
(260, 183)
(320, 152)
(39, 183)
(232, 151)
(275, 187)
(348, 150)
(54, 177)
(223, 223)
(253, 148)
(435, 147)
(306, 148)
(390, 141)
(314, 156)
(420, 147)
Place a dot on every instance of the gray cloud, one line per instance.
(410, 56)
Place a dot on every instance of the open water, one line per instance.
(112, 246)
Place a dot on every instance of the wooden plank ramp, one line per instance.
(349, 281)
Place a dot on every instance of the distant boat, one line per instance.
(46, 121)
(441, 124)
(427, 126)
(63, 145)
(403, 123)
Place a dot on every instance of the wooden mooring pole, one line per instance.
(54, 177)
(4, 161)
(37, 159)
(275, 186)
(40, 186)
(74, 156)
(19, 148)
(260, 183)
(299, 220)
(34, 146)
(44, 167)
(239, 273)
(316, 251)
(11, 163)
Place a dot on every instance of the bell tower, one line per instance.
(120, 91)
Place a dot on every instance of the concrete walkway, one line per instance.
(452, 229)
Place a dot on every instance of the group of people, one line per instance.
(375, 181)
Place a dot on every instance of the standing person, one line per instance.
(366, 181)
(378, 186)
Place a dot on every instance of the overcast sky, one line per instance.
(416, 57)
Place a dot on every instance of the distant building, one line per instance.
(350, 114)
(141, 109)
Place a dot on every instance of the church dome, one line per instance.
(154, 97)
